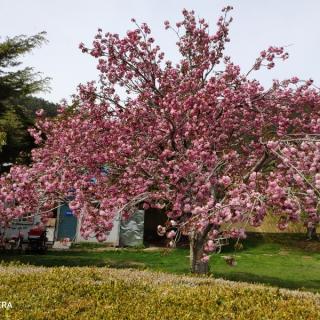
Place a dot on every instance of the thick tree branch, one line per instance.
(258, 166)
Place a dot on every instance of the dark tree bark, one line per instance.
(196, 252)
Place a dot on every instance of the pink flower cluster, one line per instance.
(197, 139)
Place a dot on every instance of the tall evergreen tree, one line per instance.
(16, 86)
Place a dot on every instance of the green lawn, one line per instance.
(281, 260)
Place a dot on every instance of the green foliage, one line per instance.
(31, 104)
(15, 131)
(14, 123)
(14, 83)
(101, 293)
(17, 107)
(3, 139)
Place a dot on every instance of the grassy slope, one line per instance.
(278, 260)
(270, 225)
(101, 293)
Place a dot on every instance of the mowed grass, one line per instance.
(282, 260)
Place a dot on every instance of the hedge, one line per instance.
(102, 293)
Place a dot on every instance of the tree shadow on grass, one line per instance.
(116, 259)
(294, 241)
(305, 285)
(55, 259)
(274, 242)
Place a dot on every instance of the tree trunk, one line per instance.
(196, 252)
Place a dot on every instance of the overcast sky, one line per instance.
(257, 25)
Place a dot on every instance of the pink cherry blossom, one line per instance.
(198, 139)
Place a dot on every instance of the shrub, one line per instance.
(101, 293)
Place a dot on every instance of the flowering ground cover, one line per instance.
(103, 293)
